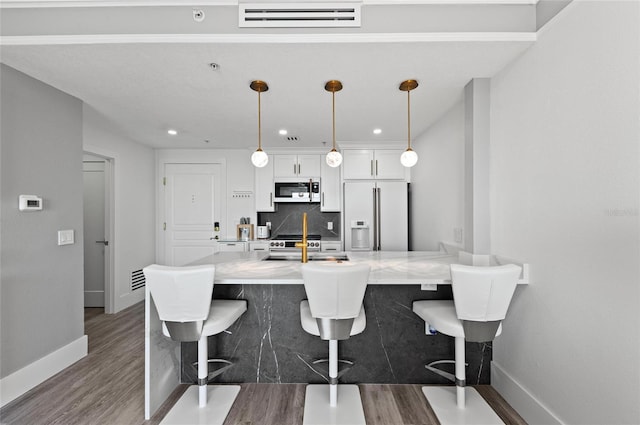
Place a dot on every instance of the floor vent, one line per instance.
(137, 280)
(296, 15)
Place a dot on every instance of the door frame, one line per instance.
(109, 225)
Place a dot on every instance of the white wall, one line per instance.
(134, 190)
(41, 289)
(565, 198)
(437, 182)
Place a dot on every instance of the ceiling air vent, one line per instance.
(295, 15)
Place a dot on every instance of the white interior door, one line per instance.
(94, 232)
(193, 203)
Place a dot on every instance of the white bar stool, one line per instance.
(334, 312)
(183, 298)
(481, 298)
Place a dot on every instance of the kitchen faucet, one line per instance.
(303, 244)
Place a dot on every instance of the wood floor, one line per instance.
(107, 388)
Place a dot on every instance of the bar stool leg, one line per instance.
(203, 371)
(333, 372)
(460, 372)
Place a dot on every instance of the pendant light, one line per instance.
(409, 158)
(334, 158)
(259, 157)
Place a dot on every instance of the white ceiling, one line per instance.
(147, 84)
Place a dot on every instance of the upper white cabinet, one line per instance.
(329, 187)
(373, 164)
(264, 188)
(296, 165)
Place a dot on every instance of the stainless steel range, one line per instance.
(288, 242)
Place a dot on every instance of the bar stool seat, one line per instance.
(441, 315)
(222, 314)
(310, 324)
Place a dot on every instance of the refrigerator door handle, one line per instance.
(375, 220)
(378, 221)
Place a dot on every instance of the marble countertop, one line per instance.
(387, 268)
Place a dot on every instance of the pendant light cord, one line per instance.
(334, 119)
(409, 119)
(259, 123)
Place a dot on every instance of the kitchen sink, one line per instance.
(311, 257)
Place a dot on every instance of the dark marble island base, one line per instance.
(268, 345)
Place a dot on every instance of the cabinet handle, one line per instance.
(294, 169)
(271, 199)
(376, 167)
(298, 168)
(372, 167)
(323, 199)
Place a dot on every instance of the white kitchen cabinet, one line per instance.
(264, 187)
(329, 187)
(232, 246)
(331, 246)
(258, 245)
(374, 164)
(304, 166)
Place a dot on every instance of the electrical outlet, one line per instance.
(330, 225)
(457, 234)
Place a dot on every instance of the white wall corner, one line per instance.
(518, 397)
(23, 380)
(129, 299)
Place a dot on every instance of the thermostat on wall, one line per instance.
(29, 203)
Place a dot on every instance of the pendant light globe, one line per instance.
(409, 158)
(334, 158)
(259, 158)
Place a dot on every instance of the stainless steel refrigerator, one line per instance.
(376, 216)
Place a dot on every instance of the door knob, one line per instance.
(105, 243)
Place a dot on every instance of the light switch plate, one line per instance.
(65, 237)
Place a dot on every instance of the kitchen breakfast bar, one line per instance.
(268, 344)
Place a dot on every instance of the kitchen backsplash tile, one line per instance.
(287, 219)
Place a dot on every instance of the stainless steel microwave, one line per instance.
(297, 190)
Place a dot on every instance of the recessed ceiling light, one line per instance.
(283, 132)
(377, 131)
(172, 132)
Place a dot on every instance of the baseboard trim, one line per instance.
(21, 381)
(526, 404)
